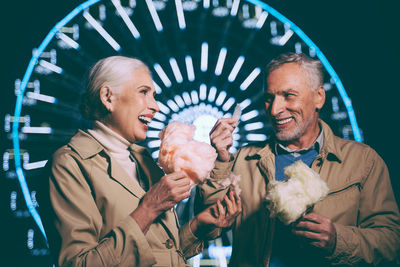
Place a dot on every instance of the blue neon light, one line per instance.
(18, 107)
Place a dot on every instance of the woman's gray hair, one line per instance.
(113, 72)
(313, 67)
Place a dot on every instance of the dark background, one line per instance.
(359, 39)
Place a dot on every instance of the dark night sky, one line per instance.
(357, 37)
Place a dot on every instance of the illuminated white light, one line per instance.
(262, 19)
(312, 51)
(159, 116)
(236, 68)
(249, 115)
(253, 126)
(50, 66)
(297, 47)
(154, 15)
(163, 108)
(212, 94)
(228, 104)
(285, 37)
(204, 56)
(155, 154)
(235, 7)
(206, 4)
(220, 99)
(37, 130)
(220, 61)
(180, 15)
(40, 97)
(68, 40)
(256, 137)
(164, 78)
(102, 31)
(195, 97)
(233, 150)
(235, 136)
(189, 68)
(203, 91)
(245, 103)
(186, 98)
(157, 88)
(253, 75)
(274, 29)
(34, 165)
(204, 124)
(121, 11)
(178, 99)
(154, 143)
(175, 70)
(153, 134)
(172, 105)
(156, 125)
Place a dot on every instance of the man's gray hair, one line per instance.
(313, 67)
(113, 72)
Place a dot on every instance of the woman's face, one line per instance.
(133, 107)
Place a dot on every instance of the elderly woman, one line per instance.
(108, 203)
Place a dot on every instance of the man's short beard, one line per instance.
(298, 132)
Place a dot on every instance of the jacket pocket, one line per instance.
(342, 203)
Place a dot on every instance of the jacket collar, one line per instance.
(330, 150)
(87, 147)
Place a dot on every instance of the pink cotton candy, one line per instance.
(179, 152)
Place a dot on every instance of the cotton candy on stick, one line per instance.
(179, 152)
(289, 200)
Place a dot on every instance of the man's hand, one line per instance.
(217, 215)
(170, 190)
(317, 231)
(221, 137)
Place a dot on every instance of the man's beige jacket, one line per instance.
(360, 203)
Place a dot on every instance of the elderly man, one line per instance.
(357, 223)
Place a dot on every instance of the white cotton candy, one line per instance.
(289, 200)
(179, 152)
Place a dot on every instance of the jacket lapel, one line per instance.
(152, 173)
(120, 176)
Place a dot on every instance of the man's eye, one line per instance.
(144, 92)
(289, 95)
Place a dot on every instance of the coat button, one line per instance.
(169, 243)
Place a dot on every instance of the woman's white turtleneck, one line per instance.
(116, 145)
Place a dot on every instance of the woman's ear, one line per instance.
(106, 97)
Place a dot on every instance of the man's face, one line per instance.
(292, 105)
(133, 107)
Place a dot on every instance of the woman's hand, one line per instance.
(219, 215)
(162, 196)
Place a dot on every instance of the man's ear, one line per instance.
(319, 97)
(106, 97)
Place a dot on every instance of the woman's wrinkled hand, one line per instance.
(220, 215)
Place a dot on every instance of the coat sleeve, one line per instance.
(376, 240)
(190, 244)
(210, 192)
(77, 223)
